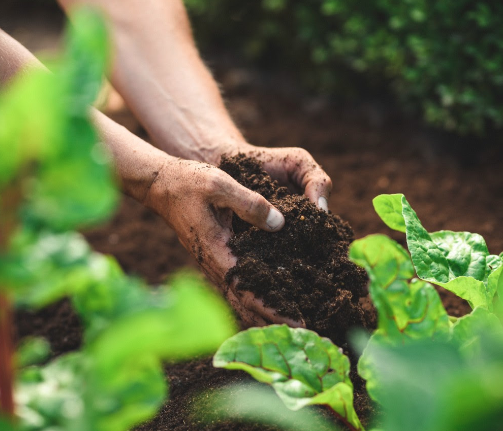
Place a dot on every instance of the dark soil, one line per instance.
(303, 270)
(367, 148)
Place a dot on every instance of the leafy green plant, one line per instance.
(443, 58)
(56, 177)
(302, 367)
(427, 370)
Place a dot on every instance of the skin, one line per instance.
(159, 73)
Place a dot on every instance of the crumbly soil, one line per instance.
(367, 148)
(303, 270)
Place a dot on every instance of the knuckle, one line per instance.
(213, 182)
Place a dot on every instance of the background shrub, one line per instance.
(442, 58)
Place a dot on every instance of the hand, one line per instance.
(294, 168)
(197, 200)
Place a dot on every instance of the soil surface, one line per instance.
(367, 148)
(303, 270)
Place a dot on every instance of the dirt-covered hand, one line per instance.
(197, 200)
(294, 168)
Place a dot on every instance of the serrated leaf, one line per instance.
(302, 367)
(389, 208)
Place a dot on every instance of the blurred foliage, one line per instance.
(443, 58)
(56, 177)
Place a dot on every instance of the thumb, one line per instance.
(252, 207)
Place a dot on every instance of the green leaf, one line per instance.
(389, 208)
(405, 310)
(445, 256)
(302, 367)
(42, 267)
(86, 58)
(257, 404)
(467, 330)
(495, 287)
(31, 351)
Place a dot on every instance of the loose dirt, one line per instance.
(303, 270)
(367, 150)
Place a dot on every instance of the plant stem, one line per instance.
(6, 359)
(9, 202)
(344, 420)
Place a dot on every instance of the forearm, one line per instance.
(173, 94)
(14, 58)
(136, 162)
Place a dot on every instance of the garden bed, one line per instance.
(366, 149)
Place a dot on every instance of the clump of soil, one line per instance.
(302, 271)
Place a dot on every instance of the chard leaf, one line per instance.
(467, 330)
(389, 208)
(405, 310)
(302, 367)
(495, 286)
(457, 261)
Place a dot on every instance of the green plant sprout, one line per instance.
(428, 371)
(55, 177)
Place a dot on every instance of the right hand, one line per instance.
(197, 200)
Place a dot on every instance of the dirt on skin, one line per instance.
(302, 271)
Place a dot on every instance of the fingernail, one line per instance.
(275, 219)
(323, 203)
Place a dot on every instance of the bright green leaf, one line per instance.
(405, 310)
(389, 208)
(457, 261)
(302, 367)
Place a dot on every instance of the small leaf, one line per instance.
(389, 208)
(302, 367)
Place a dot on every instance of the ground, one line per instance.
(368, 147)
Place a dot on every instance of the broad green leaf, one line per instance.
(257, 404)
(32, 350)
(389, 208)
(384, 259)
(443, 257)
(405, 310)
(406, 380)
(465, 253)
(467, 330)
(302, 367)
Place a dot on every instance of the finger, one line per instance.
(247, 317)
(250, 302)
(250, 206)
(317, 187)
